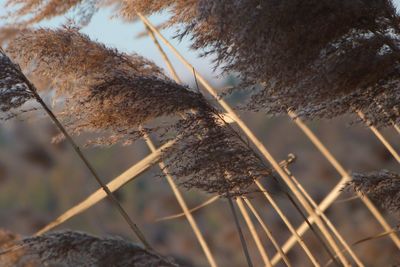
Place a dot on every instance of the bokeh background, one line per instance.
(39, 180)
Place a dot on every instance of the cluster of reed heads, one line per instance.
(320, 59)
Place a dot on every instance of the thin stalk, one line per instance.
(381, 138)
(396, 127)
(239, 229)
(369, 238)
(345, 178)
(336, 191)
(116, 183)
(184, 207)
(180, 215)
(347, 248)
(250, 135)
(167, 62)
(288, 224)
(253, 231)
(349, 199)
(267, 232)
(76, 148)
(380, 235)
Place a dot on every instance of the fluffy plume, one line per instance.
(383, 187)
(213, 157)
(318, 58)
(13, 89)
(68, 248)
(108, 91)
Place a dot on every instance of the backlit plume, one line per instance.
(115, 94)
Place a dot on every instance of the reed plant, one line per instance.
(319, 59)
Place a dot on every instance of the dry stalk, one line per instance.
(116, 183)
(380, 137)
(347, 248)
(180, 215)
(288, 224)
(267, 232)
(254, 234)
(335, 192)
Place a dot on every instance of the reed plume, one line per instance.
(382, 187)
(319, 58)
(106, 90)
(69, 248)
(109, 91)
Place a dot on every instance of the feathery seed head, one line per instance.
(106, 90)
(213, 158)
(382, 187)
(318, 58)
(111, 92)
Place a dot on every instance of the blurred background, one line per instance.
(40, 180)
